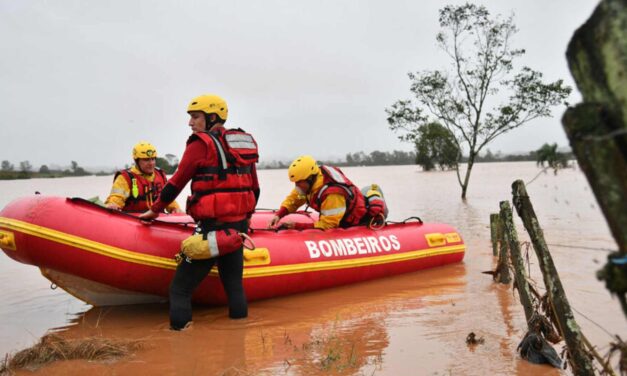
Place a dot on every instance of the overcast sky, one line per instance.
(85, 80)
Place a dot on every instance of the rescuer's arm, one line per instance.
(119, 193)
(186, 169)
(292, 202)
(332, 211)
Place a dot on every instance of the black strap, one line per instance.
(229, 170)
(217, 190)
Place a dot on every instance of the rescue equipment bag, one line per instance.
(376, 208)
(214, 244)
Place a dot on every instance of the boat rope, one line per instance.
(406, 220)
(247, 241)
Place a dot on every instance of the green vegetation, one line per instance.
(481, 97)
(168, 164)
(436, 146)
(8, 172)
(26, 170)
(554, 159)
(397, 157)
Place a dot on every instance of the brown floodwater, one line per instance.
(412, 324)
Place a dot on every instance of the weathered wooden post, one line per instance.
(519, 265)
(502, 269)
(597, 128)
(494, 236)
(579, 360)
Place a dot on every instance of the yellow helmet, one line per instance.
(144, 149)
(209, 104)
(302, 168)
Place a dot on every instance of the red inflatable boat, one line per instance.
(105, 257)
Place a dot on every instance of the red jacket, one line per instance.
(221, 166)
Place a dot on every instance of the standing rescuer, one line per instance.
(136, 188)
(220, 163)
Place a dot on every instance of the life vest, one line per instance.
(142, 192)
(222, 186)
(335, 182)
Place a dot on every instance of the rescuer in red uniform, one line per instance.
(220, 163)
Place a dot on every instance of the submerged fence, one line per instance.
(549, 317)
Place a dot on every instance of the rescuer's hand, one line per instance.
(148, 215)
(287, 225)
(112, 205)
(195, 247)
(273, 222)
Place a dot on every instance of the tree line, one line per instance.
(432, 154)
(25, 170)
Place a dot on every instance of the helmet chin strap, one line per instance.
(209, 124)
(139, 167)
(310, 180)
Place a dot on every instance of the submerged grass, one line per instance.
(53, 347)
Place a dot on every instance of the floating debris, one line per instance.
(53, 347)
(536, 349)
(471, 339)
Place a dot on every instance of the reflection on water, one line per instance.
(405, 325)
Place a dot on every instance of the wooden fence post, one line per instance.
(579, 360)
(520, 276)
(502, 269)
(494, 223)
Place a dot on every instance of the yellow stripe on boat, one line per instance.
(86, 244)
(256, 257)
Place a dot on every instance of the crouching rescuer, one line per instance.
(220, 163)
(328, 191)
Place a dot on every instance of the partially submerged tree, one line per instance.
(481, 97)
(436, 146)
(554, 159)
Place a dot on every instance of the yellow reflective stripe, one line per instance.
(87, 245)
(335, 211)
(352, 263)
(119, 191)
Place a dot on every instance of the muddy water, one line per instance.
(412, 324)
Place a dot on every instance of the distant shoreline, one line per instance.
(20, 175)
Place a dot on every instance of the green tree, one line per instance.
(554, 159)
(25, 168)
(44, 169)
(436, 146)
(7, 166)
(168, 164)
(77, 170)
(481, 97)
